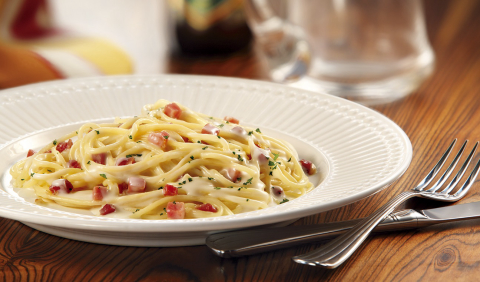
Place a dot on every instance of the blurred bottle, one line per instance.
(210, 27)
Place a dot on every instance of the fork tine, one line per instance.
(461, 172)
(449, 170)
(435, 169)
(471, 179)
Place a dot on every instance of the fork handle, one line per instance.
(341, 248)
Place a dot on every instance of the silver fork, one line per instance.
(341, 248)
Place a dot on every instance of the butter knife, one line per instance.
(253, 241)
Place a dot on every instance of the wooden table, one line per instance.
(445, 107)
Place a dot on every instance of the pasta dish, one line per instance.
(167, 163)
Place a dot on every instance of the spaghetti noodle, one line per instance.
(168, 163)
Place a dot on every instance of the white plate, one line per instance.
(358, 150)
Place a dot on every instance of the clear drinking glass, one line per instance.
(369, 51)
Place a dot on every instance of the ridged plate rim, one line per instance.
(388, 152)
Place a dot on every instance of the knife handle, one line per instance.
(253, 241)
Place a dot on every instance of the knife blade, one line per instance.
(253, 241)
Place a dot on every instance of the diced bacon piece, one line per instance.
(136, 184)
(61, 186)
(30, 153)
(239, 131)
(100, 158)
(175, 210)
(232, 174)
(159, 138)
(170, 190)
(261, 156)
(99, 192)
(210, 129)
(106, 209)
(206, 207)
(231, 120)
(308, 167)
(62, 146)
(277, 191)
(73, 164)
(122, 187)
(173, 110)
(185, 139)
(125, 161)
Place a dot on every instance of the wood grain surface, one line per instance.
(445, 107)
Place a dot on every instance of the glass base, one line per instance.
(371, 93)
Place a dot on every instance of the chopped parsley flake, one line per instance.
(248, 200)
(136, 210)
(270, 173)
(275, 156)
(190, 179)
(218, 137)
(103, 175)
(284, 201)
(204, 148)
(160, 188)
(54, 142)
(240, 158)
(32, 174)
(191, 157)
(216, 188)
(289, 159)
(49, 170)
(166, 136)
(98, 132)
(250, 132)
(270, 163)
(174, 202)
(22, 179)
(88, 162)
(130, 137)
(221, 125)
(249, 181)
(211, 178)
(258, 130)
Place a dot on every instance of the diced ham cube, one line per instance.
(62, 146)
(100, 158)
(173, 110)
(30, 153)
(73, 164)
(231, 120)
(206, 207)
(308, 167)
(170, 190)
(175, 210)
(261, 156)
(61, 186)
(99, 192)
(232, 174)
(210, 129)
(122, 187)
(106, 209)
(277, 191)
(239, 131)
(159, 138)
(125, 161)
(136, 184)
